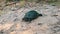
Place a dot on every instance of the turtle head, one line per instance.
(40, 15)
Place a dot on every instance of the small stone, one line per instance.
(1, 32)
(55, 15)
(39, 23)
(53, 5)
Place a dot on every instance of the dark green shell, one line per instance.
(31, 15)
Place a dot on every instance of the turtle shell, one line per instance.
(31, 15)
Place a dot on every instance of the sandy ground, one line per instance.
(49, 23)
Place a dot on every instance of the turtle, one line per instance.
(31, 15)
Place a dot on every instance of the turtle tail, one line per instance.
(40, 15)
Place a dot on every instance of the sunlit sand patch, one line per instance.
(18, 26)
(14, 32)
(29, 31)
(1, 27)
(7, 26)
